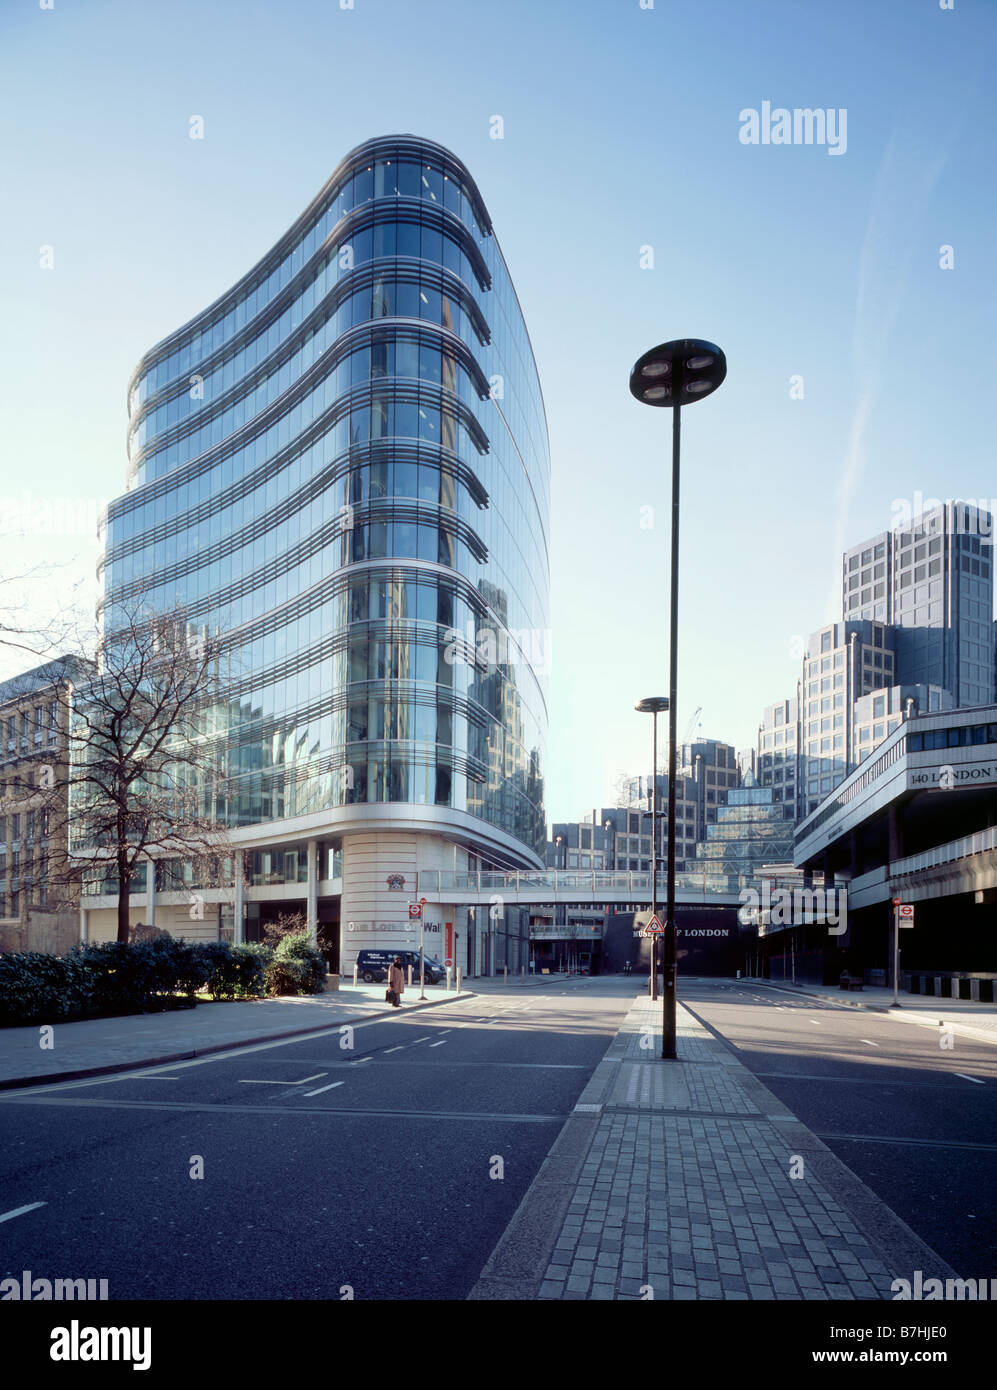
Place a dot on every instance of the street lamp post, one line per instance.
(654, 705)
(673, 375)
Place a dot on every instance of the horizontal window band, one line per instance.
(338, 644)
(406, 270)
(414, 752)
(422, 694)
(371, 450)
(358, 456)
(410, 511)
(374, 332)
(299, 229)
(436, 396)
(449, 523)
(320, 593)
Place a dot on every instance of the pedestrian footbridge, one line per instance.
(581, 888)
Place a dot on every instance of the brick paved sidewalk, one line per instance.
(672, 1181)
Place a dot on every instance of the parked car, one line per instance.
(372, 966)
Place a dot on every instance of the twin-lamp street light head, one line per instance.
(678, 373)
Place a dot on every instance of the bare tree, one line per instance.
(146, 774)
(22, 628)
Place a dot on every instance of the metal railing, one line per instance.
(624, 885)
(978, 843)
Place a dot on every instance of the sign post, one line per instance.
(903, 916)
(422, 948)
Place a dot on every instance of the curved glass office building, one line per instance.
(340, 468)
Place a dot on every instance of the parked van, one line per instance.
(373, 966)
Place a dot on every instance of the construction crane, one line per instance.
(691, 726)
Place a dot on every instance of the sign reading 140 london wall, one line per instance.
(952, 775)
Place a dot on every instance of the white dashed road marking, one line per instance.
(304, 1080)
(975, 1079)
(331, 1086)
(19, 1211)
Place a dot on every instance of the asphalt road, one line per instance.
(326, 1166)
(916, 1121)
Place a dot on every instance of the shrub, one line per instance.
(296, 967)
(113, 978)
(235, 972)
(192, 967)
(116, 975)
(251, 961)
(141, 977)
(110, 978)
(36, 987)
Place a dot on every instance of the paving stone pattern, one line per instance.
(686, 1190)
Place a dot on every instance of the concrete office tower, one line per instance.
(844, 661)
(932, 580)
(776, 761)
(340, 468)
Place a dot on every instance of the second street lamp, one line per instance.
(673, 375)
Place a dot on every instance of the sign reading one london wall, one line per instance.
(402, 933)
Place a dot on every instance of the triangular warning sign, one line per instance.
(654, 925)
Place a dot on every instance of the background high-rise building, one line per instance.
(917, 636)
(340, 470)
(933, 581)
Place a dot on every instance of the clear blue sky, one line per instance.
(621, 131)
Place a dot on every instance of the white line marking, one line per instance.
(358, 1060)
(394, 1049)
(441, 1043)
(19, 1211)
(815, 1022)
(975, 1079)
(869, 1041)
(235, 1050)
(425, 1039)
(304, 1080)
(330, 1087)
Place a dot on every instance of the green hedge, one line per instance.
(143, 977)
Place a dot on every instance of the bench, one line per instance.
(849, 981)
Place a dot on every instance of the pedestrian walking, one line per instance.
(396, 982)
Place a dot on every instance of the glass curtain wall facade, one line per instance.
(340, 470)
